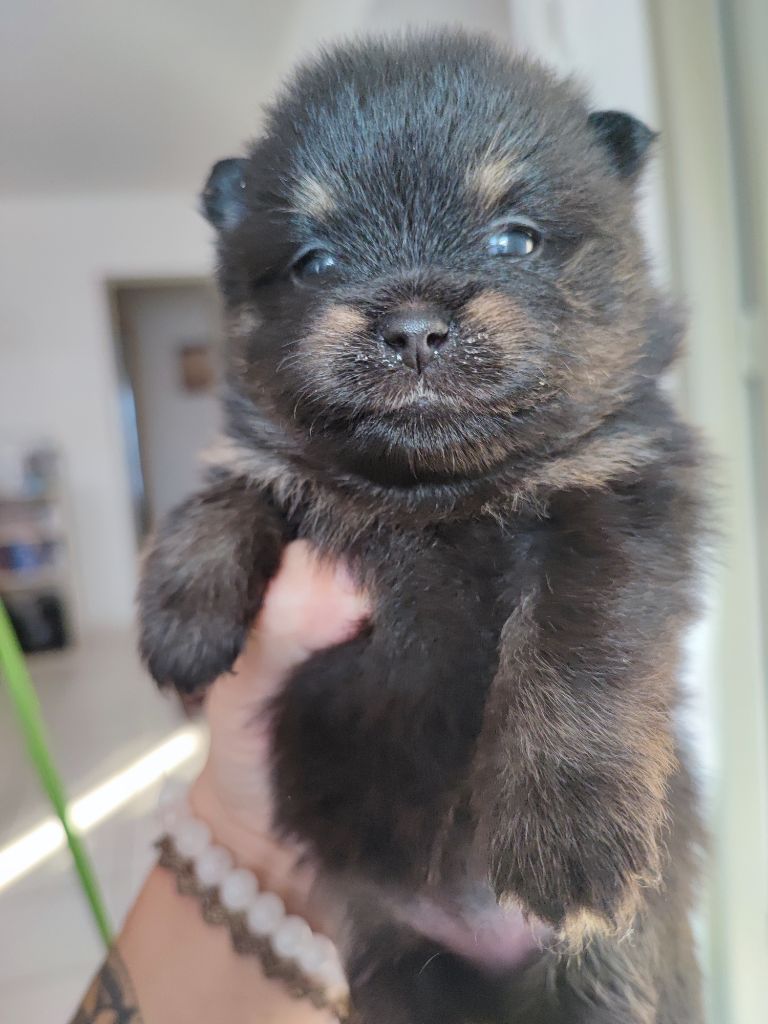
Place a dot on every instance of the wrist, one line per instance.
(184, 971)
(279, 865)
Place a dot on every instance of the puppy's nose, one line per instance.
(416, 332)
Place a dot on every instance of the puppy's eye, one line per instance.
(515, 240)
(314, 265)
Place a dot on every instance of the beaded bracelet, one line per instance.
(306, 962)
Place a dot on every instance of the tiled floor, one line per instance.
(102, 713)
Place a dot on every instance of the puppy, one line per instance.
(443, 363)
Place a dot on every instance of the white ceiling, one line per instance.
(101, 95)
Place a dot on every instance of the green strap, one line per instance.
(25, 702)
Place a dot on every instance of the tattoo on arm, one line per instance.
(110, 999)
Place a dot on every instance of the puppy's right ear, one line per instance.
(626, 139)
(223, 197)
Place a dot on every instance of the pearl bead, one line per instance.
(238, 889)
(192, 837)
(264, 913)
(314, 956)
(291, 937)
(327, 947)
(333, 977)
(212, 865)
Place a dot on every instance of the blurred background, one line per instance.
(110, 117)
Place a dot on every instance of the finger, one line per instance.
(311, 603)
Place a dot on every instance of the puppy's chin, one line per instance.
(420, 443)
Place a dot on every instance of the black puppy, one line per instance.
(443, 361)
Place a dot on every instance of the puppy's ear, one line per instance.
(223, 198)
(626, 139)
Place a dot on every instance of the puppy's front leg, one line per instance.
(204, 577)
(577, 746)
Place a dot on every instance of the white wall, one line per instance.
(605, 45)
(57, 365)
(145, 96)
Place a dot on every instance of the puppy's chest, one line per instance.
(478, 562)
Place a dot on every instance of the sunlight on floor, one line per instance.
(115, 741)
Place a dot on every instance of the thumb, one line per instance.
(310, 604)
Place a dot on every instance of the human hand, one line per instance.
(310, 604)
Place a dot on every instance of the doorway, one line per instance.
(168, 337)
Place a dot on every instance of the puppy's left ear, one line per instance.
(625, 137)
(223, 198)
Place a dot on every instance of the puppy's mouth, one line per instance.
(422, 393)
(460, 382)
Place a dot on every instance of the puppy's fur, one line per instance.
(524, 513)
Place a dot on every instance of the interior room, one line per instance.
(111, 331)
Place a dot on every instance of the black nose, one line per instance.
(416, 332)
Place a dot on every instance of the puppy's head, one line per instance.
(430, 261)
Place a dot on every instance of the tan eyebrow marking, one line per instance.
(313, 198)
(491, 180)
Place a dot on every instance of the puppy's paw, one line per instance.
(203, 582)
(188, 645)
(586, 873)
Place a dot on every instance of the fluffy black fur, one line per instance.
(524, 513)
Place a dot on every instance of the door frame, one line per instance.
(129, 419)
